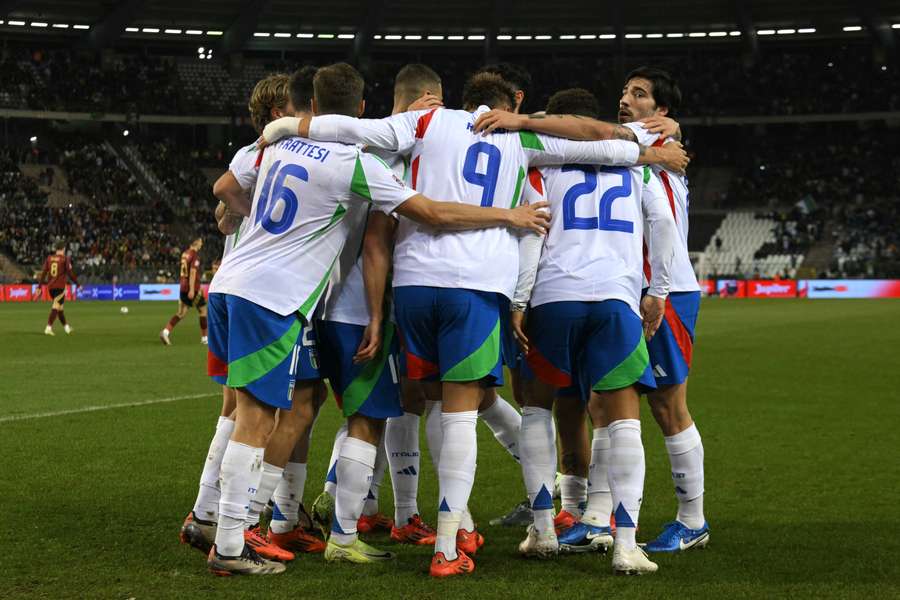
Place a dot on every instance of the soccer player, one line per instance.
(651, 96)
(56, 273)
(268, 287)
(448, 297)
(350, 308)
(270, 99)
(591, 336)
(502, 419)
(190, 293)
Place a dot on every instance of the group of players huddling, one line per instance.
(406, 260)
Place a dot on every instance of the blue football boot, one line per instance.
(678, 537)
(582, 537)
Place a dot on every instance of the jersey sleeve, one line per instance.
(530, 244)
(644, 137)
(396, 133)
(543, 150)
(243, 167)
(374, 182)
(662, 234)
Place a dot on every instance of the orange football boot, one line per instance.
(370, 523)
(469, 541)
(254, 539)
(441, 567)
(563, 521)
(414, 532)
(298, 540)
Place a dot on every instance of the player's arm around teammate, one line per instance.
(574, 127)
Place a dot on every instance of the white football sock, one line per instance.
(371, 505)
(466, 521)
(504, 422)
(401, 444)
(268, 481)
(206, 507)
(434, 435)
(456, 474)
(599, 498)
(448, 524)
(626, 477)
(573, 491)
(537, 447)
(331, 476)
(287, 498)
(241, 472)
(354, 476)
(686, 456)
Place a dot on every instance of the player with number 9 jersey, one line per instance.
(450, 160)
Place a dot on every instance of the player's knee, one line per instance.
(255, 416)
(488, 400)
(413, 403)
(365, 428)
(597, 411)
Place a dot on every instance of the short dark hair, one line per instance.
(665, 89)
(338, 90)
(59, 246)
(414, 79)
(574, 101)
(488, 89)
(301, 87)
(515, 75)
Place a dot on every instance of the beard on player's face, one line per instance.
(629, 113)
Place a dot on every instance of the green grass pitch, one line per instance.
(796, 401)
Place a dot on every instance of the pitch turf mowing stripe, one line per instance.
(87, 409)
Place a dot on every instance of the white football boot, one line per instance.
(631, 562)
(539, 545)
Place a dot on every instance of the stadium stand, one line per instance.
(738, 248)
(811, 79)
(821, 208)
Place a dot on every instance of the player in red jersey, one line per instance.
(56, 273)
(190, 293)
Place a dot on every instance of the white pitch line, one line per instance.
(85, 409)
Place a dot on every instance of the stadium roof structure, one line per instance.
(267, 24)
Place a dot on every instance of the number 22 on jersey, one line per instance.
(604, 220)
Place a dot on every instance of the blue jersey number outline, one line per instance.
(487, 180)
(273, 192)
(604, 222)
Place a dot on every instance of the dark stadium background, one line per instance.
(795, 139)
(784, 103)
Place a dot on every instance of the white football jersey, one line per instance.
(594, 249)
(244, 168)
(345, 301)
(676, 187)
(298, 223)
(450, 162)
